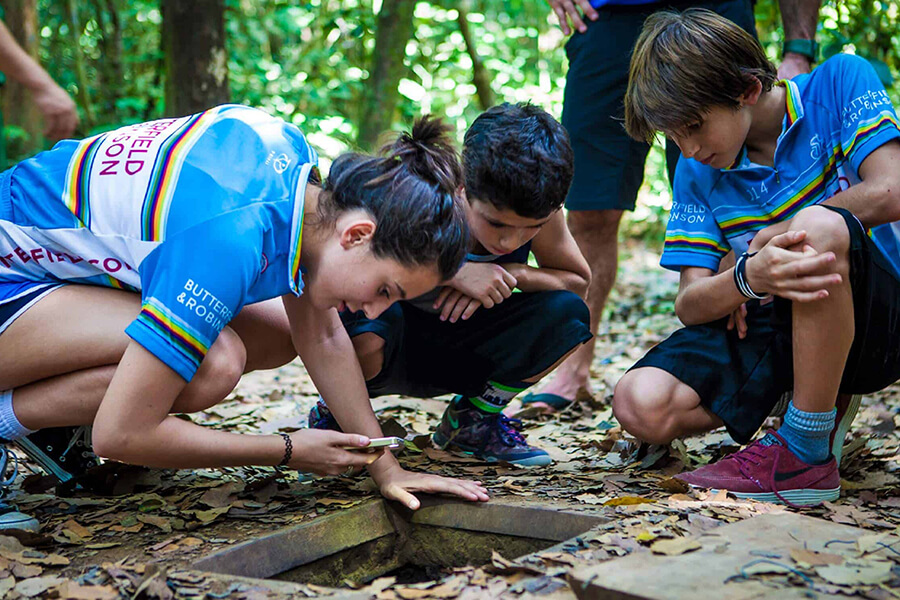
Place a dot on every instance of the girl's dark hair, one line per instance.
(410, 190)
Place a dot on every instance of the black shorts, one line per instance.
(609, 165)
(515, 340)
(741, 380)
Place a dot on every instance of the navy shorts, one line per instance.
(515, 340)
(26, 298)
(741, 380)
(609, 165)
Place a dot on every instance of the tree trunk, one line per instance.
(481, 77)
(18, 107)
(84, 96)
(393, 31)
(193, 35)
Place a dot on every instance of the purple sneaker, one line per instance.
(490, 437)
(321, 418)
(766, 470)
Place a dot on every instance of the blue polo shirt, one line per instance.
(836, 116)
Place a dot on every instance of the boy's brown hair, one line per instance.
(685, 63)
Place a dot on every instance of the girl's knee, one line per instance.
(218, 375)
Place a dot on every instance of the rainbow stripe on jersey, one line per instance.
(164, 175)
(176, 332)
(75, 192)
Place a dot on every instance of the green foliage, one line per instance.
(308, 62)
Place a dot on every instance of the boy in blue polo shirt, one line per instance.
(800, 179)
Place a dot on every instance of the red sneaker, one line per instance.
(847, 407)
(766, 470)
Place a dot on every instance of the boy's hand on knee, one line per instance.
(490, 284)
(788, 268)
(765, 235)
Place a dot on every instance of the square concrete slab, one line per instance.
(707, 572)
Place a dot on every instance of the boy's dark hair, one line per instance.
(410, 189)
(517, 156)
(685, 63)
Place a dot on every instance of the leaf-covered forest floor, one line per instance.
(140, 542)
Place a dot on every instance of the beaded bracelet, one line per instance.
(288, 449)
(740, 277)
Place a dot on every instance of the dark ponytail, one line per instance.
(410, 189)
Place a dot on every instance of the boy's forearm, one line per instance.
(708, 299)
(543, 279)
(872, 202)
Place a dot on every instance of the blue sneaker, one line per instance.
(321, 418)
(10, 517)
(490, 437)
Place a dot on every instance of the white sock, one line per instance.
(10, 428)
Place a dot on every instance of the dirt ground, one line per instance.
(139, 533)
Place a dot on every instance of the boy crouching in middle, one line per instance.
(474, 336)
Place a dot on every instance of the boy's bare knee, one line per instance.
(643, 407)
(369, 349)
(826, 230)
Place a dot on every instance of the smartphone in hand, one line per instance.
(390, 443)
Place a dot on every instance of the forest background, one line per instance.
(345, 70)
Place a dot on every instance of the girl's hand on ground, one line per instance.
(322, 452)
(738, 319)
(486, 282)
(456, 305)
(799, 276)
(399, 484)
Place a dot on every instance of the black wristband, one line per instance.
(740, 277)
(288, 449)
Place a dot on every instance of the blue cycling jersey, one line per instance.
(202, 214)
(835, 117)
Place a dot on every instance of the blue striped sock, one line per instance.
(807, 433)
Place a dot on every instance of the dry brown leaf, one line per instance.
(628, 501)
(69, 590)
(37, 585)
(675, 546)
(164, 524)
(32, 557)
(78, 529)
(25, 571)
(6, 585)
(811, 558)
(856, 572)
